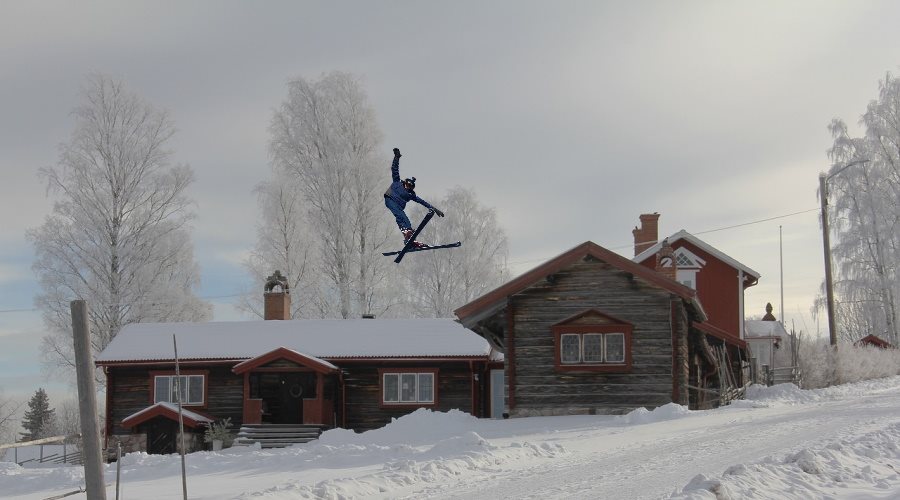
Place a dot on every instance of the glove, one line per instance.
(397, 153)
(438, 212)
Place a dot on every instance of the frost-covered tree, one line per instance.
(38, 420)
(866, 203)
(9, 409)
(285, 241)
(326, 137)
(118, 234)
(443, 280)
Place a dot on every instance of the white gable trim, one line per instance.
(697, 261)
(706, 247)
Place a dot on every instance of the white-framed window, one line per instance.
(191, 387)
(591, 348)
(407, 387)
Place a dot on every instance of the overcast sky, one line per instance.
(569, 118)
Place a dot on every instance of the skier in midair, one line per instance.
(398, 194)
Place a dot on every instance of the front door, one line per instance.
(291, 395)
(161, 436)
(283, 394)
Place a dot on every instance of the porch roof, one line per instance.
(167, 410)
(327, 339)
(313, 362)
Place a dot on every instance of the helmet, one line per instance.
(411, 181)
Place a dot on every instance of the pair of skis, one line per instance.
(408, 247)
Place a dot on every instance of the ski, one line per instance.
(409, 242)
(430, 247)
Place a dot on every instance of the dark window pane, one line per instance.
(391, 388)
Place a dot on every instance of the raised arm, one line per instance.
(395, 166)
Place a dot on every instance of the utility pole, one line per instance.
(826, 241)
(87, 407)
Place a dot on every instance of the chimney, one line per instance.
(646, 236)
(665, 261)
(277, 303)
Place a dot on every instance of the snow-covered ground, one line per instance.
(840, 442)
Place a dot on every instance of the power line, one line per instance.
(150, 302)
(759, 221)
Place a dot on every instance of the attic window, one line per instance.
(682, 260)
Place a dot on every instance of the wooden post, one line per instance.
(180, 417)
(118, 467)
(87, 407)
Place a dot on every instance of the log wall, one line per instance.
(364, 410)
(539, 389)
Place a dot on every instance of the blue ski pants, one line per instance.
(399, 214)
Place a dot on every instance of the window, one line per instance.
(191, 386)
(592, 348)
(592, 341)
(408, 388)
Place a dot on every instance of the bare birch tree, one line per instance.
(284, 242)
(325, 135)
(9, 413)
(118, 234)
(867, 219)
(443, 280)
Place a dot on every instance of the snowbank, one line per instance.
(862, 467)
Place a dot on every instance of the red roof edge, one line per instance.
(719, 334)
(588, 248)
(160, 410)
(313, 362)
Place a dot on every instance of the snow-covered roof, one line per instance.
(684, 235)
(322, 338)
(760, 328)
(168, 409)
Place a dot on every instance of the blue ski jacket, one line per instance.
(398, 193)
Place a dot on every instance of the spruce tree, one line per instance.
(38, 417)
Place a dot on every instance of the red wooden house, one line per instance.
(720, 281)
(291, 375)
(590, 331)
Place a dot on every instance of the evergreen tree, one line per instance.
(39, 416)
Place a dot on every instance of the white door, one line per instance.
(498, 393)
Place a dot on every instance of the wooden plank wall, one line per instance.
(540, 390)
(363, 392)
(130, 393)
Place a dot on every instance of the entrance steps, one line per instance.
(277, 435)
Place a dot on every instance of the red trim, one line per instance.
(171, 373)
(675, 371)
(182, 362)
(331, 359)
(163, 411)
(719, 334)
(472, 388)
(407, 405)
(560, 330)
(312, 362)
(609, 320)
(570, 257)
(108, 409)
(511, 350)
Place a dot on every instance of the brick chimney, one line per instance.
(277, 303)
(646, 236)
(665, 261)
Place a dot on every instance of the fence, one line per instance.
(68, 454)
